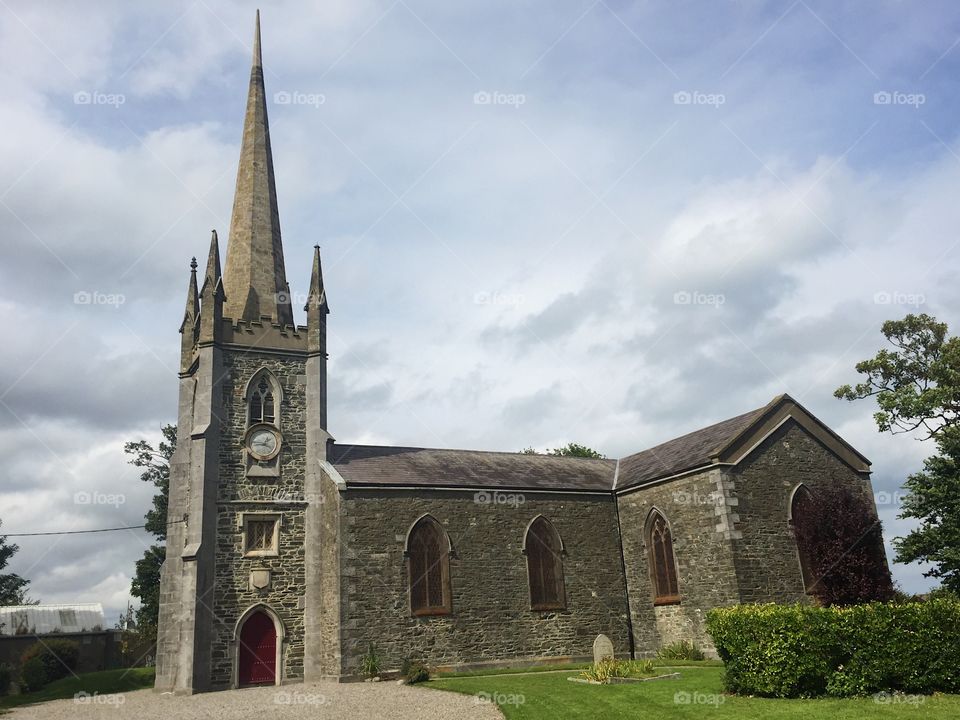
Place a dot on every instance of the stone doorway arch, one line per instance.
(258, 648)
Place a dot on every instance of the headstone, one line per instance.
(602, 649)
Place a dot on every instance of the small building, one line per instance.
(45, 619)
(100, 648)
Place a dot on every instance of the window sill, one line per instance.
(548, 607)
(430, 612)
(261, 553)
(672, 600)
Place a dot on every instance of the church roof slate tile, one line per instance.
(375, 465)
(686, 452)
(371, 465)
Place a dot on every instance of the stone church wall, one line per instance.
(693, 506)
(491, 619)
(239, 494)
(768, 567)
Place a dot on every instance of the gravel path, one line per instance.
(323, 701)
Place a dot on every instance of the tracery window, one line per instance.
(800, 507)
(262, 403)
(428, 552)
(544, 552)
(663, 569)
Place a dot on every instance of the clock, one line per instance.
(263, 442)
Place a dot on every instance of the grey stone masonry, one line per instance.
(240, 494)
(491, 619)
(765, 553)
(704, 559)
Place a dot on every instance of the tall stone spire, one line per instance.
(256, 280)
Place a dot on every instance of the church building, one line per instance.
(290, 554)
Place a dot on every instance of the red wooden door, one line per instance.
(258, 651)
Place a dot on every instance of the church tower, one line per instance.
(241, 565)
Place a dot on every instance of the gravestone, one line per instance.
(602, 649)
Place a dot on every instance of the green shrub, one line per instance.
(640, 668)
(57, 655)
(33, 674)
(774, 650)
(803, 651)
(370, 664)
(414, 671)
(681, 650)
(6, 677)
(604, 670)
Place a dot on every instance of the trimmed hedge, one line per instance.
(802, 651)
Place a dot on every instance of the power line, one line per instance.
(83, 532)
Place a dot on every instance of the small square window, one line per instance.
(68, 618)
(260, 535)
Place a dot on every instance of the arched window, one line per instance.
(262, 399)
(544, 551)
(428, 551)
(801, 505)
(663, 568)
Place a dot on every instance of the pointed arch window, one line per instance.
(262, 401)
(663, 568)
(801, 507)
(544, 551)
(428, 552)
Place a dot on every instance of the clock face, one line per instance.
(263, 443)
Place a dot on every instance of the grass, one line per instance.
(697, 693)
(484, 672)
(105, 682)
(561, 667)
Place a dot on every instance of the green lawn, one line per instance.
(106, 682)
(567, 666)
(696, 695)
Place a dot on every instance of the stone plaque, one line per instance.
(602, 649)
(260, 580)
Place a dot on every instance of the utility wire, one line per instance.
(82, 532)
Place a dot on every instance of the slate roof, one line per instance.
(371, 465)
(685, 452)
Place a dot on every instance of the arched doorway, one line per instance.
(257, 663)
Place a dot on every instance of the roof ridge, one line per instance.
(700, 430)
(467, 450)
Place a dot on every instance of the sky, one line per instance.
(598, 221)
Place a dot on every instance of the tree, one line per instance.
(575, 450)
(840, 536)
(569, 450)
(918, 383)
(933, 498)
(156, 470)
(13, 588)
